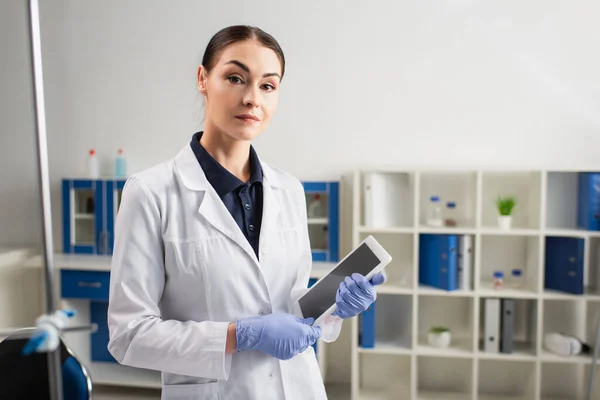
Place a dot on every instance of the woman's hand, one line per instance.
(356, 294)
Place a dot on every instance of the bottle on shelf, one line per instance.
(516, 279)
(498, 280)
(120, 165)
(315, 207)
(450, 215)
(434, 217)
(93, 171)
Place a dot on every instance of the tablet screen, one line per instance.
(322, 294)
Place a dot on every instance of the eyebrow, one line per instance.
(245, 68)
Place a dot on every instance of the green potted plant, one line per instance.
(439, 336)
(505, 207)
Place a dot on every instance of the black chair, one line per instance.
(27, 377)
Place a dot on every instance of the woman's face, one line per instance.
(241, 91)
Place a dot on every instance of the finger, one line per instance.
(378, 279)
(357, 277)
(307, 321)
(315, 333)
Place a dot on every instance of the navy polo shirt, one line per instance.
(244, 200)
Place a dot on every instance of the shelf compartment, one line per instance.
(455, 313)
(459, 187)
(524, 186)
(391, 317)
(399, 272)
(444, 378)
(524, 330)
(505, 253)
(384, 376)
(387, 199)
(592, 281)
(592, 316)
(563, 201)
(565, 317)
(562, 381)
(500, 378)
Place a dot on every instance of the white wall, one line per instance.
(367, 83)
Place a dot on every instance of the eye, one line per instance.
(268, 87)
(236, 80)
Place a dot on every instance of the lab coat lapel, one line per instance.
(211, 208)
(270, 214)
(215, 212)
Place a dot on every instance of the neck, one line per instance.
(233, 155)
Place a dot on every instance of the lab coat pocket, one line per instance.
(307, 366)
(200, 391)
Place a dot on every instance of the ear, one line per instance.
(202, 78)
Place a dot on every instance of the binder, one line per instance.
(563, 264)
(384, 194)
(588, 201)
(367, 327)
(438, 260)
(491, 340)
(465, 262)
(508, 326)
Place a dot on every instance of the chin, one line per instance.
(246, 133)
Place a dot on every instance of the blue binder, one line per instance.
(563, 264)
(588, 201)
(367, 327)
(438, 261)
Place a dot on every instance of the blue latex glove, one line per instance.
(356, 294)
(279, 335)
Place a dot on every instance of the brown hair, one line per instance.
(238, 33)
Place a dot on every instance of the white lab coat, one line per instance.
(182, 270)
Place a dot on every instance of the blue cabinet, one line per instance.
(323, 211)
(89, 209)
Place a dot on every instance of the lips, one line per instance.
(248, 117)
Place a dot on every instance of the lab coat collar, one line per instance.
(194, 178)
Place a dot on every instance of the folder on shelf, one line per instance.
(491, 331)
(367, 327)
(383, 194)
(465, 262)
(588, 201)
(438, 261)
(508, 326)
(563, 264)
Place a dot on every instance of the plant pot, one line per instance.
(439, 340)
(504, 221)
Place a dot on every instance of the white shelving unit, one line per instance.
(402, 365)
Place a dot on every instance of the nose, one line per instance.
(251, 97)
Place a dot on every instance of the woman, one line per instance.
(212, 249)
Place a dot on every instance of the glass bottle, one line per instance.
(498, 280)
(450, 215)
(516, 279)
(434, 216)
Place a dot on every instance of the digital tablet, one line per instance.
(367, 259)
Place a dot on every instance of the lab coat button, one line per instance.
(271, 375)
(261, 312)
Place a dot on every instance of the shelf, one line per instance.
(384, 376)
(522, 352)
(432, 395)
(397, 347)
(505, 253)
(388, 288)
(459, 348)
(425, 290)
(553, 358)
(393, 321)
(459, 187)
(498, 379)
(391, 230)
(525, 186)
(399, 272)
(562, 381)
(486, 289)
(437, 376)
(455, 313)
(318, 221)
(509, 232)
(561, 200)
(386, 198)
(565, 317)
